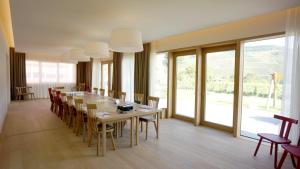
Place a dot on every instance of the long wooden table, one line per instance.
(107, 104)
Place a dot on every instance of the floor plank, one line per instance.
(34, 138)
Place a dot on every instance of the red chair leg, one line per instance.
(282, 159)
(293, 160)
(257, 147)
(298, 163)
(275, 157)
(271, 148)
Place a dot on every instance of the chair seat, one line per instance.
(293, 149)
(147, 118)
(274, 138)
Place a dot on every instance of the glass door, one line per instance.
(185, 75)
(262, 85)
(218, 68)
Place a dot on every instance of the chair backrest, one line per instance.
(111, 93)
(139, 98)
(153, 101)
(59, 87)
(19, 90)
(78, 104)
(102, 92)
(81, 86)
(95, 89)
(50, 94)
(57, 94)
(69, 98)
(28, 89)
(92, 119)
(285, 131)
(122, 96)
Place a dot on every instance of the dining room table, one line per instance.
(107, 113)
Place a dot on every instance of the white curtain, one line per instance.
(159, 77)
(96, 80)
(291, 90)
(43, 75)
(128, 76)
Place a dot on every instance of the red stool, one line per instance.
(282, 138)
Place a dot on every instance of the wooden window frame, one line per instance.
(238, 73)
(175, 55)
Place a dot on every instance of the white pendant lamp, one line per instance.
(126, 41)
(78, 54)
(97, 50)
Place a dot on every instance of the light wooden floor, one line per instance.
(33, 137)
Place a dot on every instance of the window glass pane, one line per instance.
(32, 71)
(49, 72)
(262, 85)
(185, 85)
(219, 87)
(159, 78)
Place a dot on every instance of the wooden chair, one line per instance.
(294, 151)
(56, 101)
(122, 96)
(81, 86)
(59, 87)
(152, 102)
(94, 128)
(139, 98)
(282, 138)
(102, 92)
(21, 93)
(81, 119)
(65, 108)
(72, 111)
(51, 99)
(60, 104)
(111, 93)
(95, 89)
(30, 93)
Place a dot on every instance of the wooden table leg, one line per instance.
(98, 143)
(131, 131)
(103, 139)
(157, 123)
(137, 130)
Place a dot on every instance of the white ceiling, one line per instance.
(55, 26)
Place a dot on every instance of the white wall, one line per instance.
(4, 79)
(255, 26)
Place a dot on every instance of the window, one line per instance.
(185, 71)
(50, 72)
(32, 71)
(159, 78)
(66, 73)
(219, 85)
(42, 75)
(128, 75)
(262, 85)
